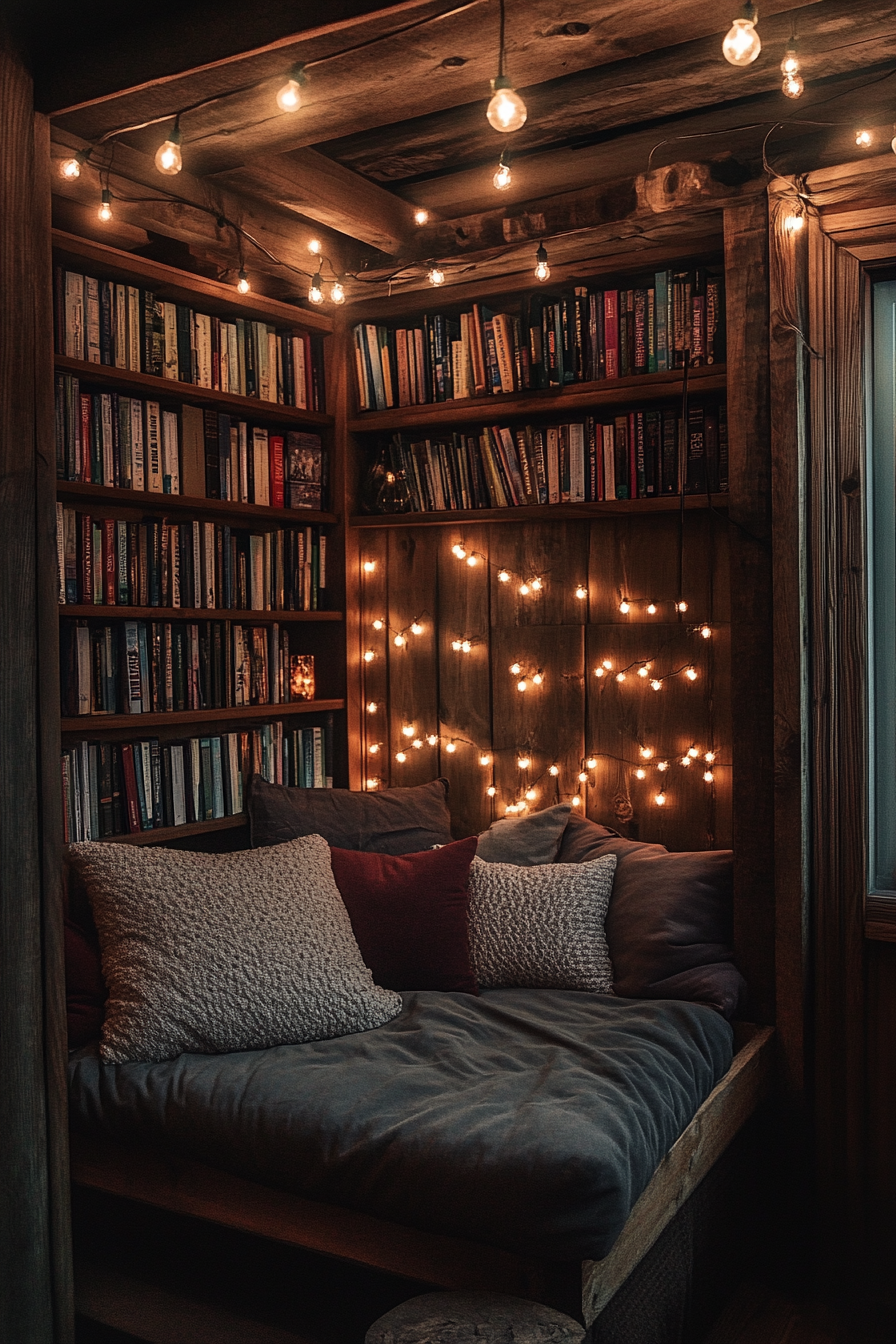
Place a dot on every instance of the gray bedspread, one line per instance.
(528, 1119)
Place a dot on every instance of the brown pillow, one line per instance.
(394, 821)
(669, 925)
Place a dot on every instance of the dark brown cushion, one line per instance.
(394, 821)
(669, 925)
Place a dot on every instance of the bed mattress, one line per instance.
(526, 1119)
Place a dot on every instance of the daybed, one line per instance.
(491, 1141)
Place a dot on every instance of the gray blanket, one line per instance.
(528, 1119)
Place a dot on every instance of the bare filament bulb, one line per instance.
(105, 210)
(542, 269)
(742, 45)
(506, 110)
(168, 156)
(289, 96)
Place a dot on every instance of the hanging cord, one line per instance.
(682, 472)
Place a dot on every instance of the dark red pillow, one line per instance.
(85, 989)
(409, 914)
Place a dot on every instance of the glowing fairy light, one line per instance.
(432, 740)
(581, 592)
(524, 762)
(485, 759)
(503, 576)
(408, 730)
(554, 771)
(416, 628)
(640, 773)
(401, 757)
(378, 624)
(591, 763)
(399, 641)
(660, 799)
(515, 669)
(646, 753)
(691, 673)
(625, 606)
(491, 791)
(369, 566)
(451, 747)
(369, 656)
(656, 684)
(371, 706)
(459, 551)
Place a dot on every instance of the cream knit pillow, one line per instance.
(541, 927)
(218, 952)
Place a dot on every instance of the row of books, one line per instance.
(121, 788)
(157, 667)
(103, 438)
(582, 336)
(125, 327)
(211, 566)
(638, 455)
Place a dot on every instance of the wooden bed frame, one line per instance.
(155, 1178)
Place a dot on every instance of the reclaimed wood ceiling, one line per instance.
(393, 115)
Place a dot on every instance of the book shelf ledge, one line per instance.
(538, 512)
(251, 408)
(88, 725)
(241, 615)
(161, 834)
(149, 501)
(644, 387)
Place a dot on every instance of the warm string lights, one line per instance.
(506, 110)
(503, 176)
(527, 586)
(741, 45)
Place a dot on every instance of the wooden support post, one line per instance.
(746, 271)
(35, 1298)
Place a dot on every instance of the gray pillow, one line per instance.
(541, 928)
(526, 841)
(219, 952)
(394, 821)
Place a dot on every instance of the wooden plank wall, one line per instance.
(470, 700)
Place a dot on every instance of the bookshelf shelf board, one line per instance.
(251, 408)
(88, 725)
(212, 510)
(548, 401)
(538, 512)
(167, 282)
(241, 615)
(161, 834)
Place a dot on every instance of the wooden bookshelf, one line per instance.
(158, 389)
(89, 725)
(169, 283)
(240, 615)
(632, 392)
(114, 499)
(159, 835)
(539, 513)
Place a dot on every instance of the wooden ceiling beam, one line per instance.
(140, 200)
(393, 76)
(320, 189)
(835, 39)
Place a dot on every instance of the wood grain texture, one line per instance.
(413, 682)
(837, 614)
(725, 1111)
(746, 269)
(370, 591)
(32, 1254)
(465, 699)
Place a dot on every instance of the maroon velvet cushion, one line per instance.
(85, 990)
(669, 925)
(409, 914)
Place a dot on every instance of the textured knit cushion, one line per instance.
(85, 992)
(541, 928)
(409, 914)
(526, 841)
(669, 926)
(394, 821)
(217, 952)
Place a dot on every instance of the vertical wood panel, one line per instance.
(746, 301)
(29, 1280)
(465, 709)
(548, 721)
(373, 605)
(636, 557)
(413, 682)
(556, 552)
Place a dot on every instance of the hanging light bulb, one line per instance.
(401, 757)
(625, 606)
(522, 685)
(515, 669)
(314, 247)
(691, 673)
(640, 773)
(417, 743)
(168, 156)
(620, 676)
(646, 753)
(537, 678)
(706, 631)
(459, 551)
(591, 763)
(472, 561)
(316, 291)
(709, 757)
(583, 776)
(656, 684)
(708, 776)
(863, 138)
(421, 217)
(600, 671)
(792, 85)
(542, 269)
(408, 730)
(289, 97)
(451, 746)
(742, 45)
(795, 221)
(503, 576)
(242, 282)
(70, 169)
(554, 770)
(399, 641)
(466, 646)
(644, 671)
(607, 664)
(436, 275)
(660, 799)
(485, 759)
(337, 293)
(416, 628)
(681, 606)
(524, 590)
(491, 790)
(693, 752)
(531, 795)
(506, 110)
(503, 177)
(378, 624)
(105, 210)
(537, 585)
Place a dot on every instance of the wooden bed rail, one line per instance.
(152, 1177)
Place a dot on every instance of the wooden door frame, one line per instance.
(818, 337)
